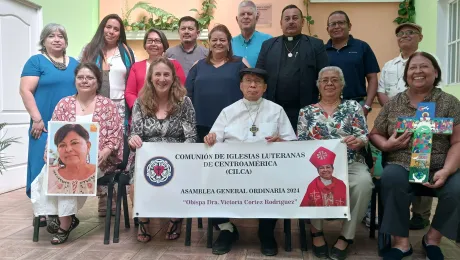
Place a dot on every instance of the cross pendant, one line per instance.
(253, 130)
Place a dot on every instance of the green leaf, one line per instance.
(194, 10)
(411, 12)
(398, 20)
(309, 18)
(312, 22)
(402, 12)
(402, 5)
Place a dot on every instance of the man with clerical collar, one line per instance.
(391, 82)
(355, 58)
(188, 51)
(292, 62)
(248, 43)
(251, 119)
(325, 190)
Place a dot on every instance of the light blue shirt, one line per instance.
(249, 49)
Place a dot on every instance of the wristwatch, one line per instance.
(368, 108)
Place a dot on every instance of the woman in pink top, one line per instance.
(156, 44)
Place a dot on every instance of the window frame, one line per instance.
(453, 40)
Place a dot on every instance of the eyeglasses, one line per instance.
(340, 23)
(156, 41)
(333, 80)
(88, 78)
(256, 82)
(408, 33)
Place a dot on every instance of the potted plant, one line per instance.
(5, 143)
(205, 17)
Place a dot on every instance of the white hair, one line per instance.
(331, 68)
(49, 29)
(248, 3)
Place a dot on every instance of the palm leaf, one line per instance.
(5, 143)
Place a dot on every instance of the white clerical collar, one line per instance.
(325, 182)
(252, 103)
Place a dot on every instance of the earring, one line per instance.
(60, 163)
(88, 159)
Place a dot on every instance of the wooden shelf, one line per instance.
(170, 35)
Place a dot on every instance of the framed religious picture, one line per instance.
(72, 159)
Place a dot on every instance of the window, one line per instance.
(453, 43)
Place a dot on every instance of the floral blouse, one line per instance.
(348, 119)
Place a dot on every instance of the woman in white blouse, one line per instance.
(111, 53)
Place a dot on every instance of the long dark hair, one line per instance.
(224, 29)
(433, 61)
(96, 45)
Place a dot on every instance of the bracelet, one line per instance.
(38, 121)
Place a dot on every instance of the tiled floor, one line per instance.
(86, 242)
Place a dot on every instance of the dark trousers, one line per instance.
(397, 193)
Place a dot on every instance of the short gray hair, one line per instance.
(248, 3)
(49, 29)
(331, 68)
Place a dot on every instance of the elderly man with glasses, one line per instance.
(249, 120)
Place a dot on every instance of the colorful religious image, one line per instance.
(325, 190)
(72, 158)
(442, 125)
(421, 142)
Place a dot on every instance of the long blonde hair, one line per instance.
(148, 98)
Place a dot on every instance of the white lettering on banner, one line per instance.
(246, 180)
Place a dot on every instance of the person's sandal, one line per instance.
(320, 251)
(337, 254)
(143, 237)
(53, 226)
(61, 237)
(172, 233)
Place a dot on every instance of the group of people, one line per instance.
(249, 88)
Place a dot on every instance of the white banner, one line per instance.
(244, 180)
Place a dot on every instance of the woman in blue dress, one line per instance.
(46, 78)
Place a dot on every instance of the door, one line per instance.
(20, 26)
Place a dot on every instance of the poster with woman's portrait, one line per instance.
(72, 158)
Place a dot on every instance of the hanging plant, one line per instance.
(159, 18)
(206, 15)
(308, 18)
(406, 12)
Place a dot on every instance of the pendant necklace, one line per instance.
(83, 108)
(290, 51)
(253, 129)
(334, 105)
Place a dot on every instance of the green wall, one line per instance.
(426, 16)
(79, 17)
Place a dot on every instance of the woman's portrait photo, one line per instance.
(72, 159)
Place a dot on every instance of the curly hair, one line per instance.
(148, 98)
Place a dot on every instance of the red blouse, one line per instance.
(136, 79)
